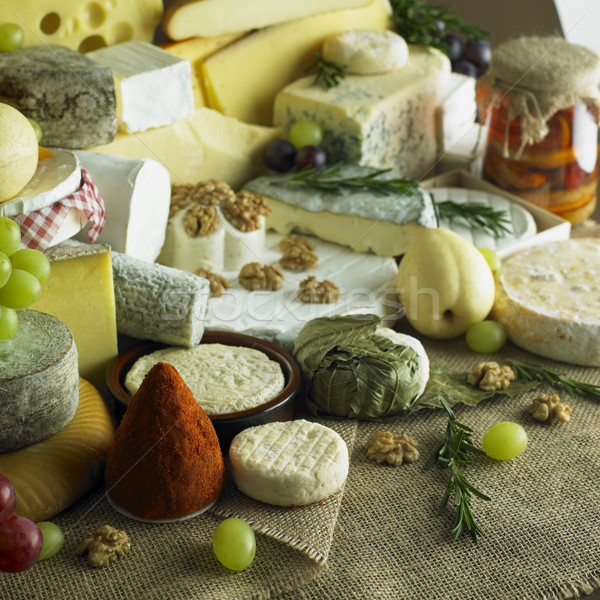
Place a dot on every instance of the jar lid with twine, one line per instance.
(534, 77)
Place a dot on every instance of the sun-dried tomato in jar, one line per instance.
(540, 101)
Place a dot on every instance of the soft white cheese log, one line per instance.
(153, 87)
(137, 195)
(242, 247)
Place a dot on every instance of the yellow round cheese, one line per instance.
(52, 474)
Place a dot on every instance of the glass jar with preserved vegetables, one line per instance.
(540, 102)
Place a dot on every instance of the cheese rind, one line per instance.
(384, 120)
(159, 303)
(39, 390)
(289, 463)
(548, 298)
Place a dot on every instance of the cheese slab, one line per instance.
(291, 463)
(53, 474)
(39, 389)
(71, 97)
(361, 219)
(136, 194)
(548, 298)
(215, 17)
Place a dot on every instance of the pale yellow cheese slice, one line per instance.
(51, 475)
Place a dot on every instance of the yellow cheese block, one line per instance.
(242, 79)
(188, 18)
(203, 146)
(80, 293)
(52, 474)
(83, 26)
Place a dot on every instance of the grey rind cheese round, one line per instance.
(70, 96)
(39, 381)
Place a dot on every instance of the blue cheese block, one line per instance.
(68, 94)
(384, 120)
(364, 220)
(39, 381)
(159, 303)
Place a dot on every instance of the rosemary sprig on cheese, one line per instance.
(454, 454)
(477, 215)
(328, 74)
(555, 379)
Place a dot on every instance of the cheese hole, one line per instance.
(94, 15)
(92, 42)
(121, 32)
(50, 23)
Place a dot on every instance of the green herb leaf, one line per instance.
(328, 74)
(477, 215)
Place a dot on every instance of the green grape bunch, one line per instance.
(23, 271)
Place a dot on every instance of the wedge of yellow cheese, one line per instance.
(242, 79)
(203, 146)
(80, 293)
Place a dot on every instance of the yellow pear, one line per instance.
(444, 283)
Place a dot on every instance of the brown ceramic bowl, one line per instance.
(280, 408)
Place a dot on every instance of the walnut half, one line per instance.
(318, 292)
(245, 210)
(298, 258)
(104, 545)
(218, 283)
(491, 376)
(548, 407)
(254, 276)
(384, 446)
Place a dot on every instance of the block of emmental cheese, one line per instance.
(383, 120)
(289, 463)
(136, 194)
(83, 27)
(80, 293)
(362, 219)
(70, 96)
(153, 87)
(203, 146)
(159, 303)
(548, 298)
(214, 17)
(39, 381)
(242, 79)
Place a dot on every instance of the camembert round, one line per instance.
(548, 298)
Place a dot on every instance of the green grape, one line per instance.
(504, 440)
(492, 260)
(53, 539)
(32, 261)
(36, 127)
(10, 236)
(11, 37)
(305, 133)
(5, 268)
(486, 336)
(21, 290)
(234, 544)
(9, 323)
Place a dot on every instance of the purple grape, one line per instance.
(279, 155)
(466, 68)
(454, 46)
(311, 156)
(479, 52)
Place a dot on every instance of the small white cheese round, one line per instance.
(289, 463)
(366, 51)
(223, 379)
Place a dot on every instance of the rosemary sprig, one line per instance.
(454, 454)
(426, 24)
(328, 74)
(478, 215)
(530, 372)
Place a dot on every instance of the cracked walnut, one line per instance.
(244, 211)
(318, 292)
(548, 407)
(384, 446)
(218, 283)
(491, 376)
(254, 276)
(104, 545)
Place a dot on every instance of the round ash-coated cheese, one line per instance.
(39, 380)
(548, 298)
(289, 463)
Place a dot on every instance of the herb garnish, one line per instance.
(427, 24)
(454, 454)
(532, 372)
(477, 215)
(328, 74)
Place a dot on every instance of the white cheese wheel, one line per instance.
(363, 51)
(54, 473)
(289, 463)
(548, 298)
(223, 379)
(39, 378)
